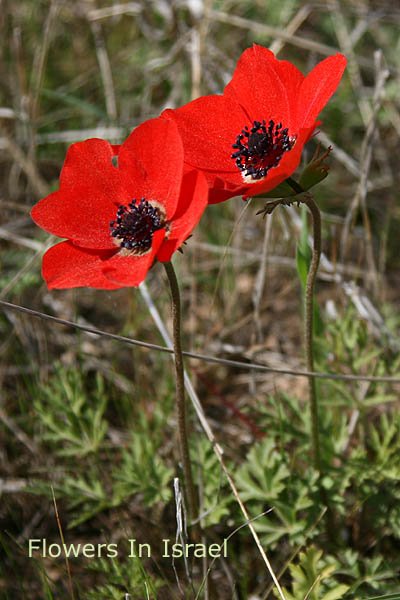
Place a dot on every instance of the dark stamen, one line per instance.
(261, 148)
(135, 225)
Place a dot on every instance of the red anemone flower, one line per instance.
(250, 139)
(120, 213)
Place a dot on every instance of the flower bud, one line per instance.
(316, 170)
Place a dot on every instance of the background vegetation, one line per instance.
(87, 423)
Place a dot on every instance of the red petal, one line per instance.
(318, 87)
(71, 214)
(266, 87)
(221, 189)
(221, 194)
(66, 266)
(90, 191)
(127, 271)
(115, 148)
(208, 127)
(192, 202)
(157, 146)
(86, 162)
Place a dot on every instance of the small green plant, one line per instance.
(266, 483)
(215, 501)
(73, 425)
(127, 577)
(72, 418)
(313, 577)
(142, 471)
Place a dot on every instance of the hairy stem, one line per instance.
(308, 338)
(309, 314)
(309, 300)
(180, 392)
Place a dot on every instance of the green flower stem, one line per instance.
(308, 325)
(309, 313)
(180, 392)
(309, 298)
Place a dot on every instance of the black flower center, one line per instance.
(261, 148)
(134, 226)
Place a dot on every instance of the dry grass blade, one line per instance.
(38, 184)
(71, 585)
(210, 435)
(302, 15)
(364, 306)
(91, 412)
(129, 8)
(274, 32)
(39, 64)
(12, 486)
(17, 432)
(105, 70)
(39, 248)
(21, 240)
(203, 357)
(346, 46)
(223, 259)
(259, 282)
(365, 161)
(113, 134)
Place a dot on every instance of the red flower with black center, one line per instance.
(118, 218)
(250, 139)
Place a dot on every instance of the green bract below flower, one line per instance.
(250, 139)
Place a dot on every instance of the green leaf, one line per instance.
(302, 266)
(142, 471)
(313, 577)
(215, 499)
(336, 593)
(395, 596)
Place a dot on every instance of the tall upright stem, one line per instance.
(309, 317)
(309, 313)
(180, 392)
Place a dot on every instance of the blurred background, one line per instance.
(72, 70)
